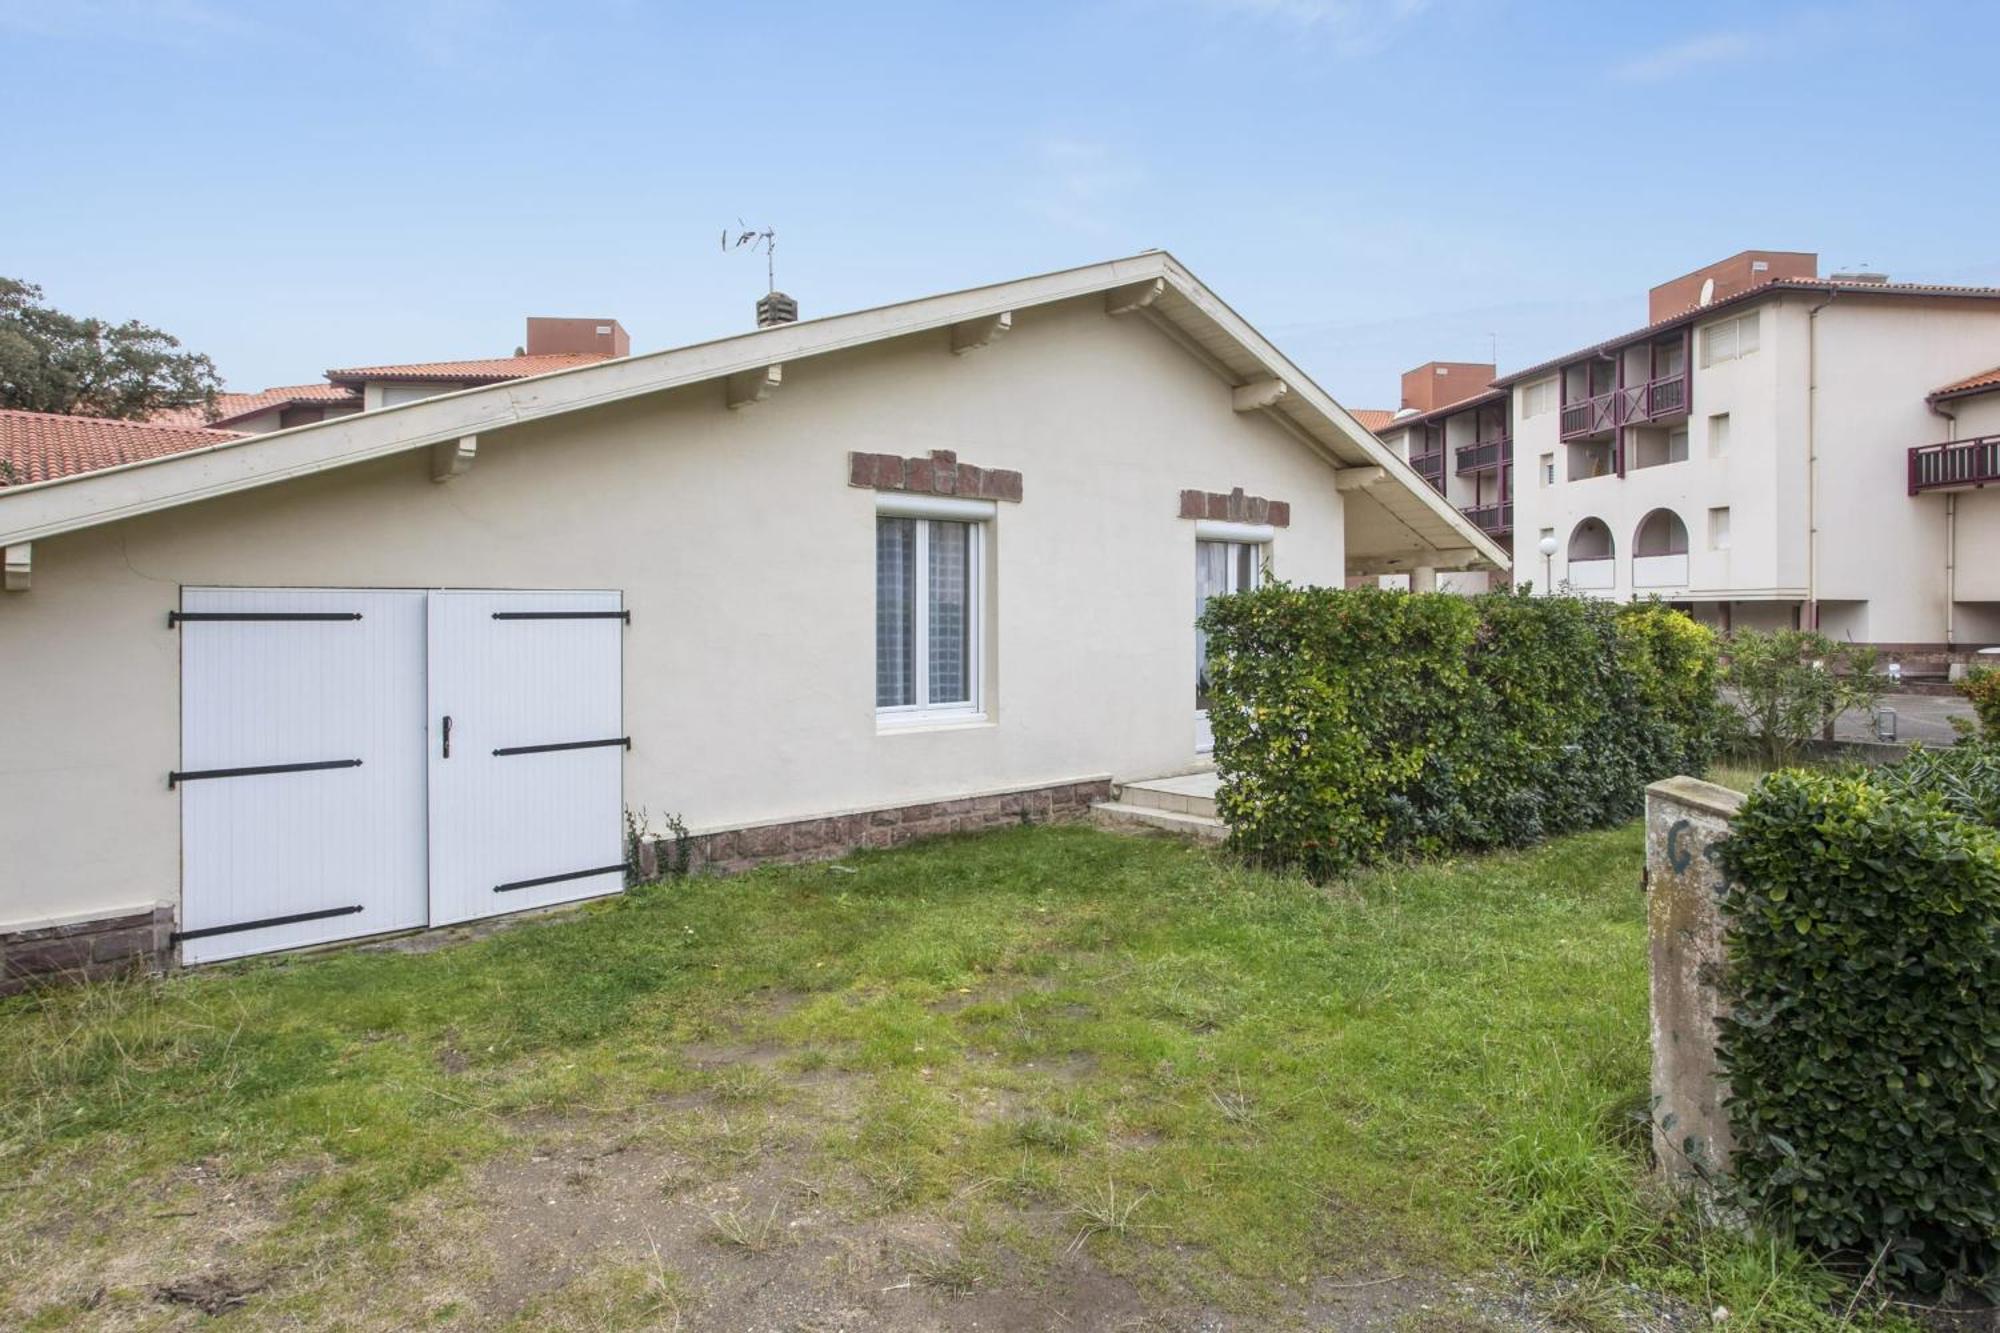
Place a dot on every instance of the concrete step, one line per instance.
(1126, 815)
(1188, 794)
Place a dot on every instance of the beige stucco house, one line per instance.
(826, 584)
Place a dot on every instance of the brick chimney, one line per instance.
(776, 308)
(1726, 277)
(606, 337)
(1437, 384)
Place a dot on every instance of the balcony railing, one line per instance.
(1430, 467)
(1494, 519)
(1955, 464)
(1483, 454)
(1593, 575)
(1634, 404)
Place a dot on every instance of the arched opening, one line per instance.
(1591, 540)
(1660, 551)
(1661, 533)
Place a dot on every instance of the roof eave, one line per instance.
(45, 509)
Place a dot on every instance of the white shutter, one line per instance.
(527, 808)
(320, 693)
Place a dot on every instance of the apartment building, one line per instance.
(1773, 448)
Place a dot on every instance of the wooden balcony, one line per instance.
(1483, 455)
(1955, 465)
(1633, 405)
(1430, 467)
(1495, 520)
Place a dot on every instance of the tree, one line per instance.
(1792, 684)
(53, 362)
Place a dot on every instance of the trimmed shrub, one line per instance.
(1982, 686)
(1351, 724)
(1863, 1048)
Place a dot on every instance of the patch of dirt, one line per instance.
(210, 1293)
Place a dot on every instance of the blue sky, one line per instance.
(1374, 183)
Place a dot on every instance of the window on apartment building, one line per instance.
(1677, 445)
(1538, 398)
(1547, 469)
(928, 577)
(1727, 339)
(1718, 528)
(1718, 435)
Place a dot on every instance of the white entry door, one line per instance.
(1220, 568)
(301, 777)
(527, 746)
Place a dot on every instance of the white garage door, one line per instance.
(302, 770)
(525, 799)
(318, 798)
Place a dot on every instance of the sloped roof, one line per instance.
(486, 370)
(1984, 381)
(1772, 287)
(230, 407)
(48, 446)
(1393, 515)
(1373, 418)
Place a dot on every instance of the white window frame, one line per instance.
(929, 509)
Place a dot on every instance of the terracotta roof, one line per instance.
(491, 370)
(1980, 383)
(1830, 286)
(235, 406)
(1372, 418)
(39, 446)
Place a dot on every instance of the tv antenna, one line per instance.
(749, 238)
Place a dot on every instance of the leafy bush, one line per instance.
(1793, 684)
(1356, 723)
(1966, 777)
(1863, 1048)
(1982, 686)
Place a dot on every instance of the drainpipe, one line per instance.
(1950, 539)
(1812, 460)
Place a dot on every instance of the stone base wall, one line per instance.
(86, 950)
(733, 850)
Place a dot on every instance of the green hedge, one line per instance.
(1863, 1049)
(1351, 724)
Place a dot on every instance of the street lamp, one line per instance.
(1548, 545)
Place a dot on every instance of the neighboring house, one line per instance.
(1765, 452)
(835, 583)
(552, 344)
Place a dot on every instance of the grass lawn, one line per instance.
(1043, 1077)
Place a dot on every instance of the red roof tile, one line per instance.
(1980, 383)
(1372, 418)
(235, 406)
(491, 370)
(39, 446)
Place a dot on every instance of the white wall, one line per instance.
(1880, 551)
(748, 565)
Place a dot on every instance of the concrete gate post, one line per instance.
(1686, 820)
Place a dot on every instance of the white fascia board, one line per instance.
(44, 509)
(1344, 429)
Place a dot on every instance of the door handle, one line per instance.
(447, 737)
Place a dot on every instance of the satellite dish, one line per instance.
(1707, 291)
